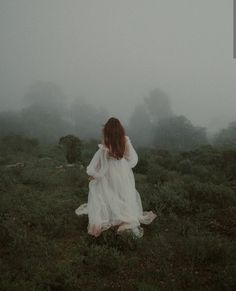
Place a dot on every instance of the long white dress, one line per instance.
(113, 198)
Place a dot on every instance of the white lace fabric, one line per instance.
(113, 199)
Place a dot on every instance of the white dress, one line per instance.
(113, 198)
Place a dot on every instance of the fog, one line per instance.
(112, 54)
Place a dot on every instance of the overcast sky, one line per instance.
(113, 52)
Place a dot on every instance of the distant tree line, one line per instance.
(154, 123)
(48, 115)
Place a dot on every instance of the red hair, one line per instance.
(114, 137)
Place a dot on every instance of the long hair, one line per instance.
(114, 137)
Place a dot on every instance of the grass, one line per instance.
(189, 246)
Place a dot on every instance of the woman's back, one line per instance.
(130, 154)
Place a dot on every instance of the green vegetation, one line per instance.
(45, 246)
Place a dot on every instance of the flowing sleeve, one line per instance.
(99, 163)
(130, 154)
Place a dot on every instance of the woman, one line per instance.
(113, 199)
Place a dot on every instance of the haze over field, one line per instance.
(114, 53)
(165, 68)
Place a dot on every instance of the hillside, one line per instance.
(45, 246)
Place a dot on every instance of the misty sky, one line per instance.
(113, 52)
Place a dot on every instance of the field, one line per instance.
(189, 246)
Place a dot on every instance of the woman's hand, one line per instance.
(91, 178)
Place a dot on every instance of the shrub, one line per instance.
(103, 260)
(217, 195)
(185, 166)
(204, 155)
(207, 249)
(158, 175)
(142, 166)
(170, 197)
(173, 199)
(18, 143)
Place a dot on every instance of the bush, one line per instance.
(158, 175)
(18, 143)
(185, 167)
(190, 246)
(164, 158)
(172, 198)
(102, 259)
(215, 195)
(207, 249)
(142, 166)
(204, 155)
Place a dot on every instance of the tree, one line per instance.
(44, 123)
(46, 114)
(10, 123)
(177, 133)
(87, 119)
(140, 127)
(158, 105)
(226, 137)
(72, 146)
(146, 116)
